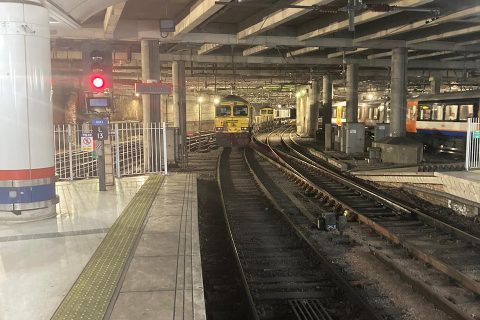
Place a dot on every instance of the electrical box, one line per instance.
(167, 25)
(354, 138)
(382, 130)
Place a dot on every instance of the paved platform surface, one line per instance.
(164, 280)
(40, 261)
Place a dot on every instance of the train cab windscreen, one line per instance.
(240, 111)
(223, 111)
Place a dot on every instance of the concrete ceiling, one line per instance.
(270, 34)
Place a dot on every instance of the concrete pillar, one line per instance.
(311, 112)
(299, 112)
(327, 95)
(398, 116)
(180, 103)
(151, 103)
(302, 101)
(27, 152)
(150, 72)
(435, 83)
(352, 93)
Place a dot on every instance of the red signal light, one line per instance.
(98, 82)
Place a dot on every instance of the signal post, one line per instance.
(98, 91)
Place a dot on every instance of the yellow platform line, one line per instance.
(91, 294)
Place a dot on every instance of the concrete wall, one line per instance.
(458, 191)
(129, 108)
(68, 99)
(460, 184)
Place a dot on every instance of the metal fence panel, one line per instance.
(137, 149)
(472, 160)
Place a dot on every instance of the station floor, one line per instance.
(42, 264)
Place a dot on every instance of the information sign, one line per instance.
(153, 88)
(100, 122)
(476, 134)
(87, 142)
(100, 133)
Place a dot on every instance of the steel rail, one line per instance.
(333, 201)
(351, 292)
(253, 309)
(394, 203)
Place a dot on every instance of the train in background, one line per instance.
(439, 121)
(268, 114)
(233, 121)
(370, 113)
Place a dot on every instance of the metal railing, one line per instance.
(472, 160)
(135, 148)
(201, 141)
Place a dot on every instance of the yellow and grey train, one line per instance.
(233, 121)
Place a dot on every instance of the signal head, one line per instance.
(98, 82)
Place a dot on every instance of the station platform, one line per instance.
(129, 253)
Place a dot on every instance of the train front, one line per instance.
(233, 122)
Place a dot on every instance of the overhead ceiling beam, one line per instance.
(149, 29)
(346, 52)
(429, 55)
(112, 16)
(200, 11)
(208, 47)
(383, 55)
(61, 15)
(468, 56)
(280, 17)
(421, 24)
(255, 50)
(273, 41)
(302, 51)
(364, 17)
(448, 34)
(432, 46)
(383, 63)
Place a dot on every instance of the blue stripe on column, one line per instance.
(10, 195)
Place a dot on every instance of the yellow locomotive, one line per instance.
(233, 121)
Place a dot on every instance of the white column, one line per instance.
(27, 153)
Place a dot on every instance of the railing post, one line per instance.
(467, 152)
(117, 151)
(70, 154)
(165, 158)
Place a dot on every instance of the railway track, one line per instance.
(451, 252)
(284, 275)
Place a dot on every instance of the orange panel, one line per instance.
(412, 107)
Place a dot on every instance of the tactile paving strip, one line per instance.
(90, 296)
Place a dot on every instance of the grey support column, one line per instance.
(300, 115)
(150, 72)
(179, 104)
(399, 92)
(151, 103)
(311, 121)
(352, 93)
(435, 83)
(327, 95)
